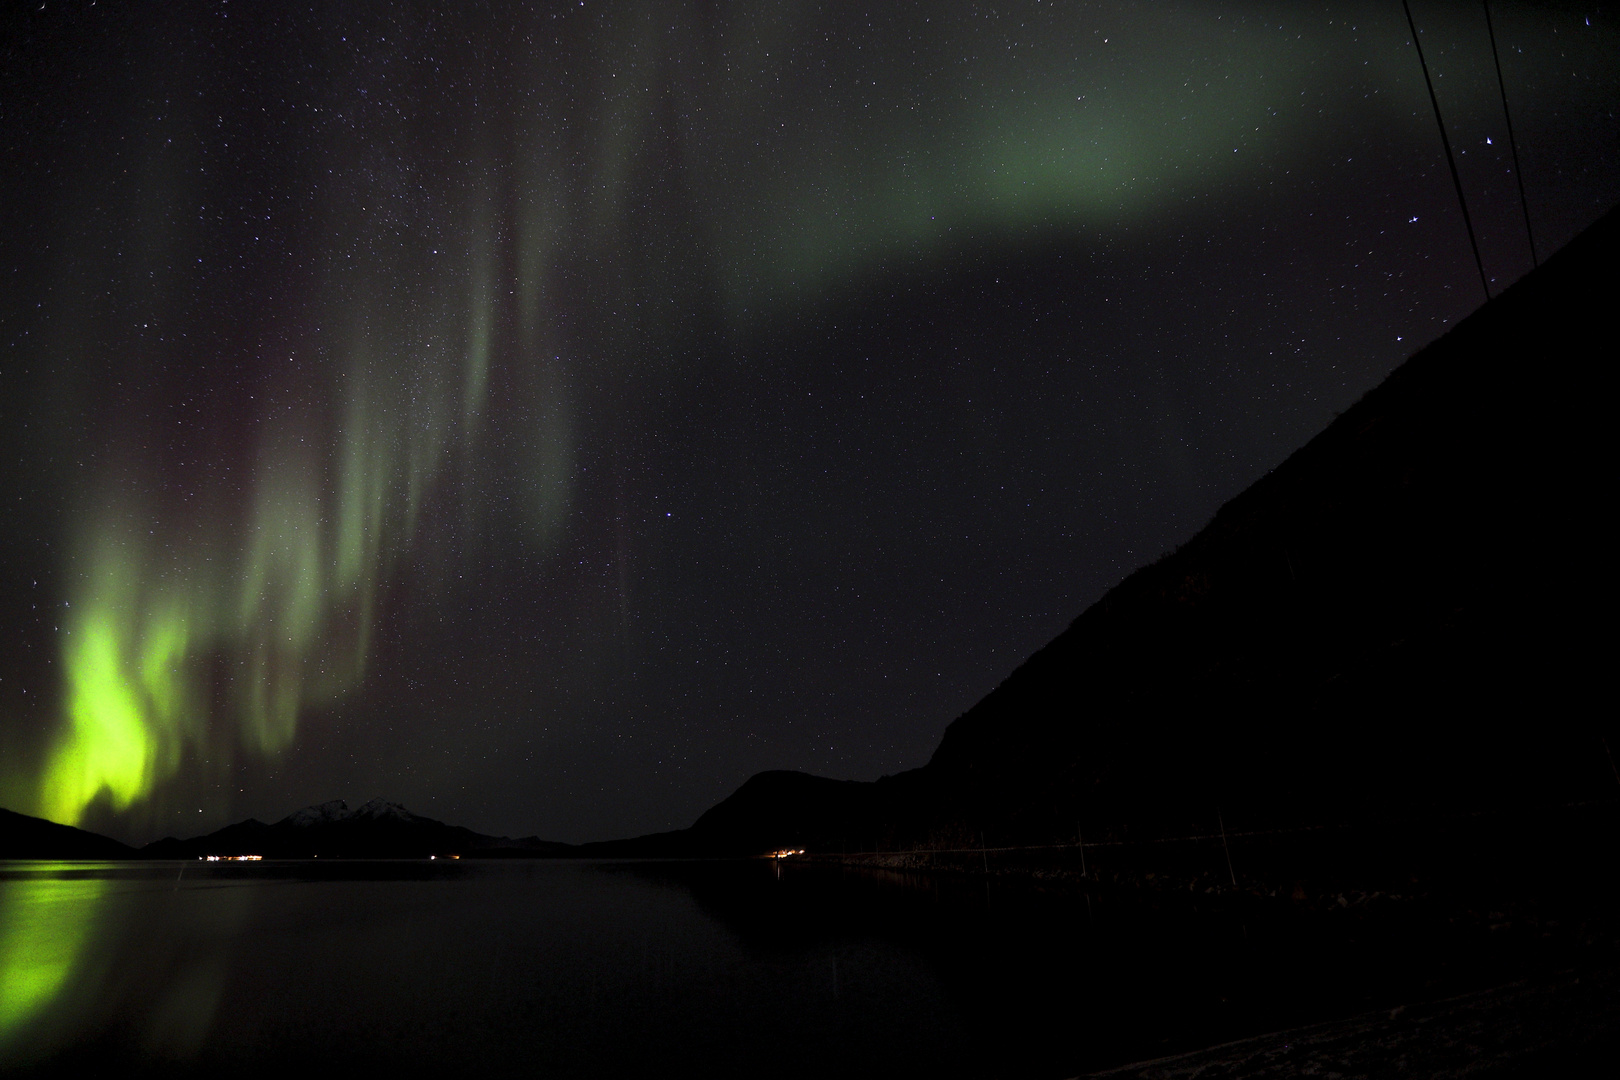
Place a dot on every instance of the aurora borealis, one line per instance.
(548, 415)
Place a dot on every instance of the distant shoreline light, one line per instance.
(230, 858)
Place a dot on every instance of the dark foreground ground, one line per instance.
(1490, 942)
(1564, 1026)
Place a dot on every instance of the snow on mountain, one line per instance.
(325, 813)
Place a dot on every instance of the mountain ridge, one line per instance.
(1390, 623)
(1386, 626)
(23, 836)
(376, 829)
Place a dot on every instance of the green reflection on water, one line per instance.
(45, 925)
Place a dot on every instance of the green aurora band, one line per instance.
(211, 633)
(288, 601)
(454, 183)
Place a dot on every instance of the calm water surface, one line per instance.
(612, 968)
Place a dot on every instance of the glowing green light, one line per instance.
(1097, 119)
(45, 925)
(280, 600)
(108, 744)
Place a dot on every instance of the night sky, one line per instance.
(547, 416)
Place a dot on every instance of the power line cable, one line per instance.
(1513, 144)
(1446, 143)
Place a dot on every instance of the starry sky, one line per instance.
(548, 415)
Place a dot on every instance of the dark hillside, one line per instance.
(377, 830)
(1407, 618)
(24, 837)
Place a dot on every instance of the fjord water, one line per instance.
(586, 969)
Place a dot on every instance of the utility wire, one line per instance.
(1446, 143)
(1513, 144)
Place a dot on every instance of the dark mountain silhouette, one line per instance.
(331, 830)
(24, 837)
(771, 811)
(1404, 620)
